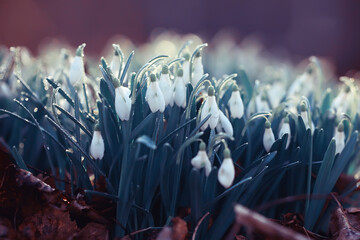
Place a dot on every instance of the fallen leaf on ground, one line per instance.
(345, 224)
(178, 231)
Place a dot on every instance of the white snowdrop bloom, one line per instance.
(235, 103)
(339, 138)
(180, 89)
(186, 68)
(303, 84)
(226, 174)
(201, 160)
(77, 71)
(261, 104)
(210, 107)
(285, 129)
(165, 85)
(122, 102)
(225, 124)
(268, 138)
(342, 102)
(154, 96)
(198, 70)
(97, 146)
(115, 64)
(276, 93)
(305, 118)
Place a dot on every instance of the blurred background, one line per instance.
(303, 28)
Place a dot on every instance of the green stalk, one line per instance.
(122, 193)
(308, 186)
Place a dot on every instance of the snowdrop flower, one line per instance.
(285, 129)
(225, 124)
(154, 96)
(180, 89)
(165, 85)
(97, 146)
(115, 63)
(305, 118)
(226, 172)
(339, 138)
(77, 71)
(235, 103)
(186, 68)
(342, 102)
(276, 92)
(261, 103)
(198, 70)
(122, 102)
(210, 107)
(201, 160)
(269, 138)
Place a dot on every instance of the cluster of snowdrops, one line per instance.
(176, 97)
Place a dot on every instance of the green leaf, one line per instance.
(322, 179)
(19, 160)
(147, 141)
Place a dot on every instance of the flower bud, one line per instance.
(123, 102)
(77, 71)
(115, 63)
(339, 138)
(97, 146)
(154, 96)
(305, 117)
(198, 70)
(180, 89)
(285, 129)
(235, 103)
(226, 174)
(210, 107)
(201, 159)
(165, 85)
(224, 124)
(268, 138)
(186, 67)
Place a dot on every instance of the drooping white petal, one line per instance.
(226, 173)
(155, 98)
(77, 72)
(186, 72)
(268, 139)
(115, 65)
(339, 137)
(210, 107)
(97, 146)
(201, 160)
(198, 71)
(166, 87)
(276, 92)
(236, 105)
(225, 124)
(123, 102)
(304, 116)
(261, 104)
(342, 102)
(180, 92)
(285, 129)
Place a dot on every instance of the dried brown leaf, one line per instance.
(345, 225)
(178, 231)
(92, 231)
